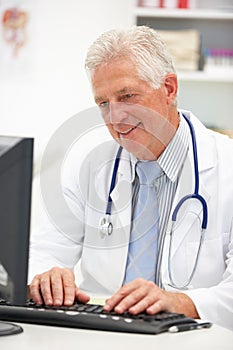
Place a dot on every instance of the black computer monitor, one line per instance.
(16, 159)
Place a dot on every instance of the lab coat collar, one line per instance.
(203, 147)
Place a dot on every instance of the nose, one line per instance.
(117, 113)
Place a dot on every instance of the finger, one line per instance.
(45, 289)
(149, 294)
(81, 296)
(133, 295)
(119, 301)
(68, 287)
(143, 304)
(131, 301)
(56, 284)
(117, 297)
(34, 290)
(156, 307)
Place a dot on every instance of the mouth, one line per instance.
(126, 132)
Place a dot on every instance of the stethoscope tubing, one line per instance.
(113, 181)
(106, 226)
(194, 195)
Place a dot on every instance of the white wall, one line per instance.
(56, 87)
(53, 87)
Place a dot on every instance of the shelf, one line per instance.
(215, 76)
(215, 83)
(183, 13)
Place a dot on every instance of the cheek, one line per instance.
(105, 114)
(112, 131)
(145, 137)
(158, 102)
(156, 118)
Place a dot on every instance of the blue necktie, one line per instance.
(144, 235)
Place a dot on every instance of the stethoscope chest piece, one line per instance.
(105, 227)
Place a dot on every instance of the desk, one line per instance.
(56, 338)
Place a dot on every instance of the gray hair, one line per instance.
(141, 44)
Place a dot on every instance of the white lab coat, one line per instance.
(102, 261)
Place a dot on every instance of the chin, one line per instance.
(140, 151)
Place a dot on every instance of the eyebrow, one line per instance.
(124, 90)
(99, 98)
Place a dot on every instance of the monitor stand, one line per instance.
(7, 328)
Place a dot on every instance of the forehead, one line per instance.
(115, 77)
(120, 64)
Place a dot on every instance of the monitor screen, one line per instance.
(16, 158)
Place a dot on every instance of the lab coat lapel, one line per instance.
(121, 218)
(122, 195)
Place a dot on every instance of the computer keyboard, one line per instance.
(91, 316)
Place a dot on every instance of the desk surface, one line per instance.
(57, 338)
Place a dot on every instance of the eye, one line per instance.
(103, 104)
(128, 96)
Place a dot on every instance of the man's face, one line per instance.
(136, 115)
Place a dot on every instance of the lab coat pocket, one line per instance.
(210, 262)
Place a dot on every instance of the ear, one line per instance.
(171, 86)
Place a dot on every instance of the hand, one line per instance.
(56, 287)
(141, 295)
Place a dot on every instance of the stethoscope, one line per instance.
(106, 226)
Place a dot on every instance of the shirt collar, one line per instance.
(133, 162)
(172, 159)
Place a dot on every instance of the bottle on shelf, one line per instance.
(217, 59)
(149, 3)
(181, 4)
